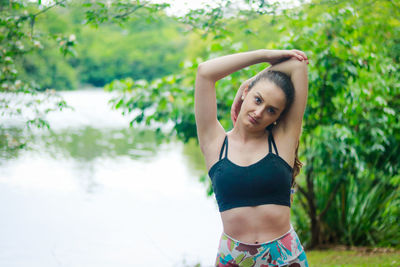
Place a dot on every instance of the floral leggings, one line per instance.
(283, 251)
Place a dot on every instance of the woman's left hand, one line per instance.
(277, 56)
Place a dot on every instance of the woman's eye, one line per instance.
(258, 100)
(271, 110)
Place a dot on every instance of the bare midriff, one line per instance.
(255, 225)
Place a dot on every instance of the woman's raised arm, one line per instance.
(209, 72)
(218, 68)
(298, 73)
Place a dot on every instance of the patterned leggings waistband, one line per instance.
(285, 250)
(258, 244)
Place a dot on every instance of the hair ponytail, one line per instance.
(297, 166)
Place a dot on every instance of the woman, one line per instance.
(253, 188)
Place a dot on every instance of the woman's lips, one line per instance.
(252, 120)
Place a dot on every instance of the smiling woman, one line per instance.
(252, 188)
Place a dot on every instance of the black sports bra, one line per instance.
(267, 181)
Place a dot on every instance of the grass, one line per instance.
(340, 256)
(353, 258)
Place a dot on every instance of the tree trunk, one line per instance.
(315, 223)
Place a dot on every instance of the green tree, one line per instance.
(350, 139)
(23, 48)
(17, 38)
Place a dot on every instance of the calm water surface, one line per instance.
(95, 192)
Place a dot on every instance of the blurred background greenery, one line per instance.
(348, 190)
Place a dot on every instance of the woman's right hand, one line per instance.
(237, 105)
(237, 102)
(277, 56)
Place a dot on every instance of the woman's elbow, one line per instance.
(204, 71)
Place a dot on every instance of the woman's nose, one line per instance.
(258, 112)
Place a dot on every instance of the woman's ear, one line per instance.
(245, 92)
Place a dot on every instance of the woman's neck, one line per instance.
(241, 132)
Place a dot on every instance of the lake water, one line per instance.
(95, 192)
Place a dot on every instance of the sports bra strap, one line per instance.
(271, 140)
(223, 146)
(270, 143)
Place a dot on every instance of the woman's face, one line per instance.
(262, 105)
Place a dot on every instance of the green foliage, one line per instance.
(351, 133)
(100, 12)
(16, 41)
(37, 52)
(161, 101)
(139, 51)
(48, 68)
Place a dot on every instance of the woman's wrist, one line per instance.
(277, 56)
(265, 54)
(289, 66)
